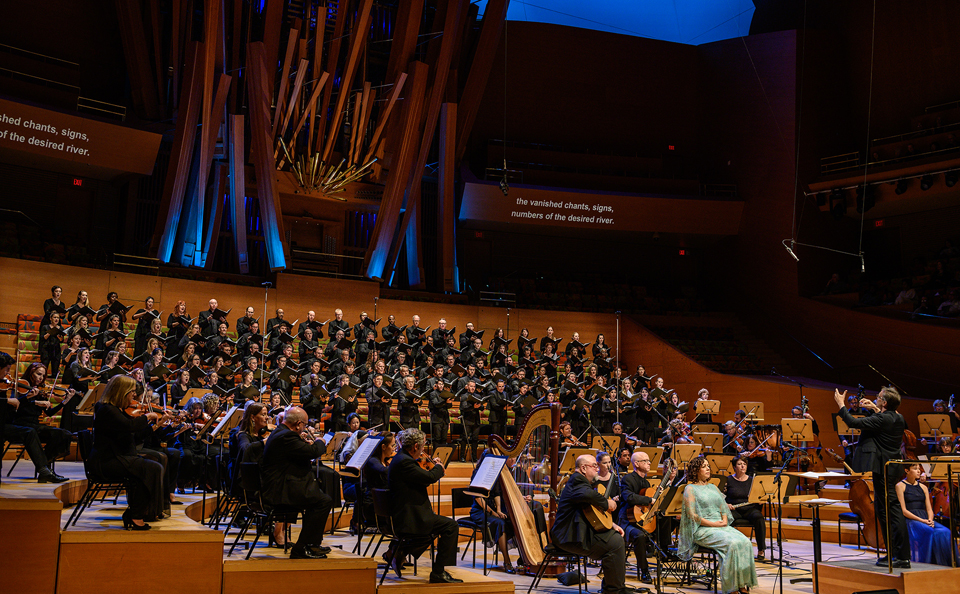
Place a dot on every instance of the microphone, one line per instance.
(790, 251)
(863, 266)
(266, 284)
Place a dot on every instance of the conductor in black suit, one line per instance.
(881, 435)
(411, 510)
(289, 480)
(573, 533)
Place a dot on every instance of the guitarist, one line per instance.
(632, 489)
(573, 533)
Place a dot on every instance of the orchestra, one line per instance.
(152, 422)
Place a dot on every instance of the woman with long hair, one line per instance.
(114, 456)
(705, 522)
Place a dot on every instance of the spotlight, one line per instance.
(865, 198)
(926, 182)
(950, 178)
(838, 204)
(504, 187)
(902, 185)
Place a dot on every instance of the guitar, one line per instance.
(641, 513)
(600, 519)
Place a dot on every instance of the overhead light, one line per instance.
(902, 185)
(504, 187)
(950, 178)
(926, 182)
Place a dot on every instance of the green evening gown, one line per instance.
(705, 502)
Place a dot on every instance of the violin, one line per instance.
(7, 382)
(425, 462)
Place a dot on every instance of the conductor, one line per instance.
(880, 437)
(289, 480)
(411, 510)
(573, 533)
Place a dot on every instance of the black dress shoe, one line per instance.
(51, 477)
(306, 553)
(901, 564)
(645, 578)
(882, 561)
(443, 578)
(320, 549)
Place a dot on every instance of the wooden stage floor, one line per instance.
(844, 569)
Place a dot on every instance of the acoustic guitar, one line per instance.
(641, 514)
(600, 519)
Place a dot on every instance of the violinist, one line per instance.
(759, 459)
(192, 451)
(8, 400)
(567, 438)
(738, 494)
(25, 427)
(114, 454)
(374, 476)
(943, 408)
(52, 335)
(732, 440)
(412, 511)
(628, 440)
(493, 512)
(289, 479)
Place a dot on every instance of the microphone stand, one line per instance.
(779, 481)
(263, 333)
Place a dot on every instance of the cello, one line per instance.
(861, 503)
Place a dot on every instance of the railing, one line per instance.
(839, 162)
(102, 107)
(317, 263)
(142, 264)
(498, 299)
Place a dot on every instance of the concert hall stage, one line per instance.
(97, 555)
(862, 575)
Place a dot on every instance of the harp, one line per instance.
(539, 431)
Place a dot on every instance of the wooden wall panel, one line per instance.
(34, 567)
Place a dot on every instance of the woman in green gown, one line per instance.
(705, 522)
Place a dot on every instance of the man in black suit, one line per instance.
(880, 437)
(632, 486)
(411, 510)
(572, 532)
(289, 480)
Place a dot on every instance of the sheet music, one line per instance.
(486, 476)
(359, 458)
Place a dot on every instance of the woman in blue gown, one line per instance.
(929, 541)
(706, 522)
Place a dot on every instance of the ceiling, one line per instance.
(692, 22)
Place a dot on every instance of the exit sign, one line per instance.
(878, 223)
(478, 234)
(683, 252)
(77, 182)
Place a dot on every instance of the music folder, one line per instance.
(486, 476)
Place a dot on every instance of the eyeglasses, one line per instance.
(594, 465)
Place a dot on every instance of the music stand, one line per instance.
(444, 453)
(932, 425)
(754, 411)
(712, 442)
(707, 407)
(615, 441)
(569, 462)
(89, 399)
(656, 455)
(797, 430)
(763, 490)
(683, 453)
(842, 428)
(338, 438)
(354, 466)
(705, 427)
(671, 501)
(720, 464)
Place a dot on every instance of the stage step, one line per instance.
(473, 583)
(339, 572)
(843, 577)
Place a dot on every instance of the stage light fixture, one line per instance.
(902, 185)
(950, 178)
(926, 182)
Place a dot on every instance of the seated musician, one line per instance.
(374, 476)
(572, 531)
(24, 426)
(8, 397)
(567, 438)
(628, 440)
(289, 480)
(929, 541)
(705, 522)
(759, 459)
(411, 510)
(500, 526)
(732, 441)
(246, 439)
(738, 494)
(114, 454)
(633, 485)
